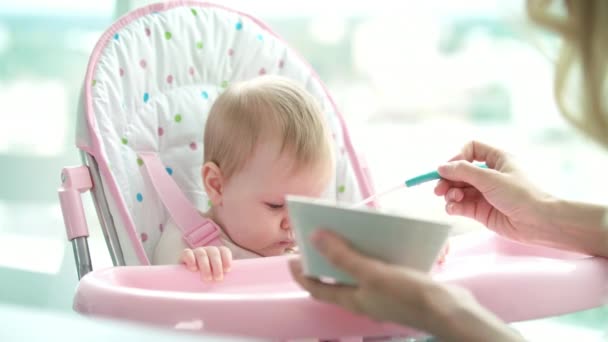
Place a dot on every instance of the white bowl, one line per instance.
(392, 238)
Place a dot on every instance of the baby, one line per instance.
(264, 139)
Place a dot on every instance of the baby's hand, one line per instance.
(443, 254)
(211, 261)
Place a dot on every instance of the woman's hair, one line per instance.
(582, 65)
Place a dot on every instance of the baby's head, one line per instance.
(264, 139)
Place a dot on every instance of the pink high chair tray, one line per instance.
(259, 299)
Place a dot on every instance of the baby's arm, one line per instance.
(211, 261)
(169, 247)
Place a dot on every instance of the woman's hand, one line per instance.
(401, 295)
(503, 200)
(499, 197)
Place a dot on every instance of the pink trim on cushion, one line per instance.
(362, 177)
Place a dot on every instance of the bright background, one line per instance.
(415, 80)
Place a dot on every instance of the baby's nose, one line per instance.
(285, 223)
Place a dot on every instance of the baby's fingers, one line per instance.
(226, 258)
(215, 259)
(187, 258)
(202, 259)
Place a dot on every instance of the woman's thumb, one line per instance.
(483, 179)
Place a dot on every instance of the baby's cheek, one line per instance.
(251, 235)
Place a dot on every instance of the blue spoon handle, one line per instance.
(427, 177)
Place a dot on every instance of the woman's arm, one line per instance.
(575, 226)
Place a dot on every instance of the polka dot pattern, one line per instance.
(155, 85)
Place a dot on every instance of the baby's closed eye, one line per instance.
(275, 206)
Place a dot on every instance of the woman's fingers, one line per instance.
(454, 195)
(473, 207)
(343, 256)
(475, 150)
(341, 295)
(463, 171)
(442, 187)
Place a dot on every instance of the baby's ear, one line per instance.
(213, 181)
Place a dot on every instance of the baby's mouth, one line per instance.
(288, 243)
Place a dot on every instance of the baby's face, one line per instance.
(253, 209)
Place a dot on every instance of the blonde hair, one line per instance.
(267, 107)
(584, 55)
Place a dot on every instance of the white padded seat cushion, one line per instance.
(153, 83)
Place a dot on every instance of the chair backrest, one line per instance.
(150, 82)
